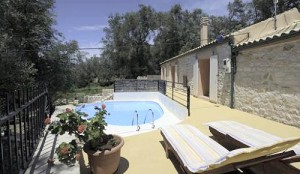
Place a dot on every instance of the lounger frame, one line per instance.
(221, 138)
(235, 166)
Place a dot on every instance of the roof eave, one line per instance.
(195, 49)
(266, 40)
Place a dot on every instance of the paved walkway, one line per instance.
(144, 153)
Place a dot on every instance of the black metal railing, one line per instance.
(133, 85)
(179, 92)
(22, 115)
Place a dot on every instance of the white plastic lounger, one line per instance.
(244, 136)
(197, 153)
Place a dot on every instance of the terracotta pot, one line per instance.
(106, 162)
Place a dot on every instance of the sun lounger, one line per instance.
(197, 153)
(244, 136)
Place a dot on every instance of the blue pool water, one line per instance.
(121, 113)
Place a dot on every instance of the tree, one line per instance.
(138, 27)
(114, 43)
(25, 33)
(177, 32)
(237, 17)
(59, 66)
(127, 42)
(135, 43)
(265, 9)
(15, 72)
(169, 41)
(219, 25)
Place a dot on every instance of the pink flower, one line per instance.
(68, 110)
(103, 106)
(47, 120)
(80, 128)
(64, 150)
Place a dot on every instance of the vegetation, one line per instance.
(136, 42)
(79, 93)
(31, 51)
(25, 34)
(91, 133)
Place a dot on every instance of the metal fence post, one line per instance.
(188, 99)
(115, 86)
(172, 90)
(21, 127)
(165, 87)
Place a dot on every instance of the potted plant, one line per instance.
(103, 149)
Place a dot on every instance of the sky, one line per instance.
(84, 20)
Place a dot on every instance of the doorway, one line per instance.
(203, 83)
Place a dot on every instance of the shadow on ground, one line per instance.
(173, 160)
(123, 166)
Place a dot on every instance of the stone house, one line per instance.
(256, 69)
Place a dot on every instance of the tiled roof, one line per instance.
(286, 23)
(291, 29)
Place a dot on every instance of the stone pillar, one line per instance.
(204, 31)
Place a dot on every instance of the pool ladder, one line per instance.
(153, 126)
(137, 119)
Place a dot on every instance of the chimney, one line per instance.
(204, 31)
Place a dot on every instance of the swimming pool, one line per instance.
(124, 113)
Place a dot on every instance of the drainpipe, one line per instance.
(234, 54)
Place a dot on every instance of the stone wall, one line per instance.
(92, 98)
(107, 92)
(267, 81)
(224, 51)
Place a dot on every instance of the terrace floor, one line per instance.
(144, 153)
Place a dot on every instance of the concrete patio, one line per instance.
(144, 153)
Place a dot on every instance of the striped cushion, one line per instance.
(196, 150)
(247, 135)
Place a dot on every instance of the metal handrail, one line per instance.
(137, 121)
(185, 88)
(153, 126)
(134, 85)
